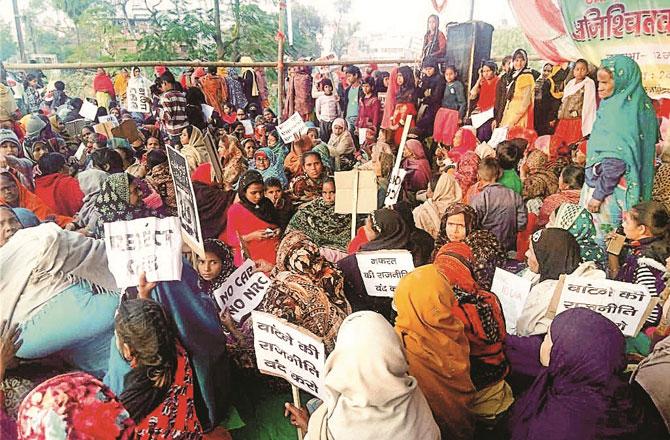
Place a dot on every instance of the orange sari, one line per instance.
(30, 201)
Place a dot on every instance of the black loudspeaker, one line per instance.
(468, 45)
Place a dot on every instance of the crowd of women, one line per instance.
(79, 358)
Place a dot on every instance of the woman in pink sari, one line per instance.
(416, 165)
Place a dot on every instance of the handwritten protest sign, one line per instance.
(498, 135)
(382, 270)
(243, 291)
(149, 245)
(479, 119)
(75, 127)
(186, 203)
(88, 110)
(109, 118)
(137, 95)
(291, 127)
(627, 305)
(395, 187)
(512, 291)
(207, 111)
(287, 351)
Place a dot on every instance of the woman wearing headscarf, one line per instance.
(299, 93)
(467, 172)
(292, 162)
(391, 95)
(578, 221)
(57, 189)
(577, 391)
(553, 252)
(73, 405)
(193, 147)
(434, 41)
(430, 92)
(252, 223)
(519, 108)
(159, 390)
(464, 142)
(121, 84)
(621, 149)
(360, 406)
(318, 220)
(484, 324)
(405, 102)
(341, 146)
(484, 91)
(307, 290)
(649, 380)
(15, 195)
(265, 162)
(158, 177)
(428, 215)
(90, 182)
(551, 94)
(385, 229)
(416, 165)
(437, 348)
(103, 88)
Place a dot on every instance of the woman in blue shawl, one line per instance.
(621, 150)
(265, 162)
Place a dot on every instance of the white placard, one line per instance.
(80, 151)
(382, 270)
(187, 206)
(138, 95)
(366, 200)
(207, 111)
(243, 291)
(291, 127)
(395, 187)
(512, 291)
(625, 304)
(109, 118)
(479, 119)
(149, 245)
(88, 110)
(248, 127)
(362, 132)
(498, 135)
(288, 351)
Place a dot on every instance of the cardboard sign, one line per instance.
(105, 128)
(366, 199)
(291, 127)
(243, 291)
(138, 95)
(109, 118)
(149, 245)
(288, 351)
(74, 128)
(499, 135)
(187, 206)
(382, 270)
(615, 244)
(395, 187)
(88, 110)
(627, 305)
(512, 291)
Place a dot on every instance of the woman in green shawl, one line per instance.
(318, 220)
(578, 221)
(621, 150)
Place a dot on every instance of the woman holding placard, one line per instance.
(359, 405)
(552, 252)
(252, 223)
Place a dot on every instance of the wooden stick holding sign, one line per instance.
(213, 157)
(296, 402)
(354, 206)
(359, 186)
(397, 175)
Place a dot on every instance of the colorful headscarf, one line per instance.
(73, 405)
(626, 128)
(487, 254)
(321, 224)
(225, 254)
(557, 253)
(392, 231)
(468, 143)
(113, 202)
(577, 220)
(276, 169)
(265, 210)
(471, 222)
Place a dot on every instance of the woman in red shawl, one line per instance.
(59, 191)
(434, 42)
(15, 195)
(485, 92)
(416, 165)
(405, 101)
(464, 141)
(103, 88)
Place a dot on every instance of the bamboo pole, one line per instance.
(280, 61)
(185, 63)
